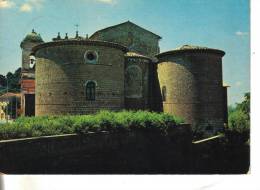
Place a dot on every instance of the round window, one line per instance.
(91, 57)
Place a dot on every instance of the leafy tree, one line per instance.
(2, 81)
(231, 109)
(239, 121)
(245, 105)
(13, 80)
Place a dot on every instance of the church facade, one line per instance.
(121, 67)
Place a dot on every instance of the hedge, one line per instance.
(82, 124)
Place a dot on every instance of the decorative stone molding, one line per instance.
(79, 42)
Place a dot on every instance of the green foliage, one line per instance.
(82, 124)
(239, 121)
(239, 116)
(2, 81)
(245, 105)
(11, 80)
(231, 109)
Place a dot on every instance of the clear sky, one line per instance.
(222, 24)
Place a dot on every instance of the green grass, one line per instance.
(82, 124)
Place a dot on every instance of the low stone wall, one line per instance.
(100, 153)
(216, 155)
(139, 152)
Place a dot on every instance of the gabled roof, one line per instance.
(124, 23)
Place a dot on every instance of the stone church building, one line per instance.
(121, 67)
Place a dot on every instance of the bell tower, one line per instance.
(28, 73)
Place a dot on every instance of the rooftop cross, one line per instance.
(77, 26)
(77, 31)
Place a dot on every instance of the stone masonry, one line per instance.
(121, 67)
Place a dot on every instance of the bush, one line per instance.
(238, 121)
(238, 130)
(82, 124)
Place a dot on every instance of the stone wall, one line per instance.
(217, 155)
(139, 152)
(137, 83)
(62, 74)
(194, 91)
(27, 75)
(125, 152)
(225, 104)
(26, 51)
(132, 36)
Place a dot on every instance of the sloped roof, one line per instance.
(134, 54)
(184, 47)
(225, 85)
(191, 48)
(10, 94)
(78, 42)
(124, 23)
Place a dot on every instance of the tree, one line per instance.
(231, 109)
(14, 80)
(2, 81)
(245, 105)
(239, 121)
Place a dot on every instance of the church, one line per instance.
(121, 67)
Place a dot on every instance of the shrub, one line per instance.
(82, 124)
(238, 121)
(238, 130)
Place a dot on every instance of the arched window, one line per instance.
(164, 93)
(91, 91)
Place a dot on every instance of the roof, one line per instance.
(10, 94)
(191, 48)
(127, 22)
(78, 42)
(186, 47)
(134, 54)
(225, 85)
(33, 37)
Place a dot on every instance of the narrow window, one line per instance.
(32, 61)
(164, 93)
(91, 91)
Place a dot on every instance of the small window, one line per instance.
(91, 91)
(91, 57)
(164, 93)
(32, 61)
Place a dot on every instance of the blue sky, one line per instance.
(222, 24)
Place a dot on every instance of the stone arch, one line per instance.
(133, 82)
(91, 81)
